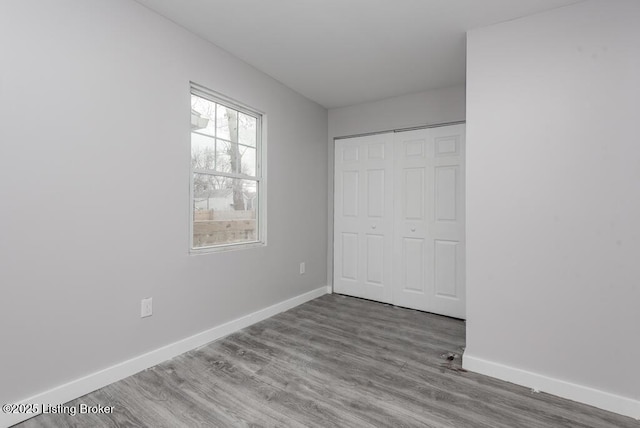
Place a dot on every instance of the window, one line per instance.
(226, 174)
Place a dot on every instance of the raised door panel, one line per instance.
(447, 145)
(446, 268)
(349, 257)
(350, 195)
(446, 179)
(376, 193)
(413, 265)
(375, 260)
(413, 193)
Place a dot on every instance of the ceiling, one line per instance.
(344, 52)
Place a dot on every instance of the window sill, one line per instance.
(227, 247)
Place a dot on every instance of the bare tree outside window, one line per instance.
(224, 161)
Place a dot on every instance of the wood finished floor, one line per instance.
(335, 361)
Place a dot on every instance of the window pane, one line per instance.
(227, 123)
(203, 113)
(203, 151)
(226, 157)
(248, 160)
(247, 130)
(224, 210)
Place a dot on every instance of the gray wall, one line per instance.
(422, 108)
(553, 181)
(94, 183)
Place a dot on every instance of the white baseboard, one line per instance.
(580, 393)
(79, 387)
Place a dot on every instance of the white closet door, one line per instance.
(363, 217)
(429, 261)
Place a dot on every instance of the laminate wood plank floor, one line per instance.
(333, 362)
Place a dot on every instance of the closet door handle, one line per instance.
(413, 229)
(373, 227)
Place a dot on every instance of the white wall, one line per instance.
(94, 184)
(553, 182)
(422, 108)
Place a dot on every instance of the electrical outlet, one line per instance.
(146, 308)
(302, 268)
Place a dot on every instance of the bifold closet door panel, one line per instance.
(363, 217)
(429, 265)
(448, 225)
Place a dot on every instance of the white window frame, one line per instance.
(260, 177)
